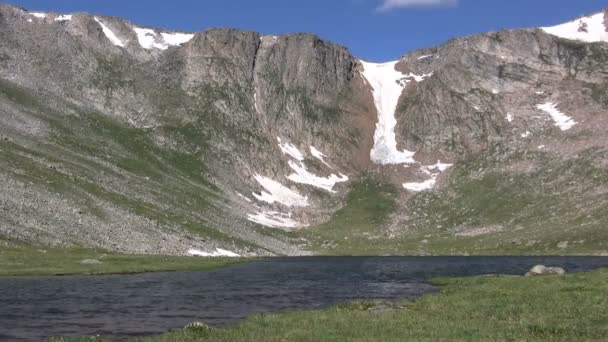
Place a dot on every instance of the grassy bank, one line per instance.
(553, 308)
(28, 261)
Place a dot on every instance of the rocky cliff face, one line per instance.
(142, 140)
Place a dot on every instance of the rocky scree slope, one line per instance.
(227, 142)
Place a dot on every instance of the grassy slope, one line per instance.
(350, 230)
(25, 261)
(524, 213)
(554, 308)
(98, 158)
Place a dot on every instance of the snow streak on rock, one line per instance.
(563, 121)
(279, 193)
(290, 150)
(319, 155)
(247, 199)
(218, 253)
(387, 85)
(587, 29)
(303, 176)
(109, 34)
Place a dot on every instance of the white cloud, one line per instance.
(388, 5)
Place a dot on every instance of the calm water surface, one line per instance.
(123, 306)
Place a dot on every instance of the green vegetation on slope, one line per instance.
(29, 261)
(499, 204)
(349, 232)
(498, 308)
(94, 159)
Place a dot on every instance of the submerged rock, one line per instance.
(544, 270)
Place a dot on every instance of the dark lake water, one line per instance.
(123, 306)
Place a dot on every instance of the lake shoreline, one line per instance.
(48, 262)
(479, 302)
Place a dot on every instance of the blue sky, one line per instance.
(376, 30)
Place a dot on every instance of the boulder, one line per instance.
(197, 325)
(90, 262)
(544, 270)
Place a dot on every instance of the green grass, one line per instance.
(30, 261)
(367, 207)
(494, 308)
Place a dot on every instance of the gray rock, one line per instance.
(544, 270)
(197, 325)
(90, 262)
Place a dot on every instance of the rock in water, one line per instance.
(90, 262)
(544, 270)
(197, 325)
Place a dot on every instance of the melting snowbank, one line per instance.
(563, 121)
(387, 85)
(109, 34)
(290, 150)
(40, 15)
(150, 39)
(274, 219)
(218, 253)
(64, 17)
(279, 193)
(303, 176)
(587, 29)
(319, 155)
(433, 171)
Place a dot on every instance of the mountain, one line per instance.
(224, 142)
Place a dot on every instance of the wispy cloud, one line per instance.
(388, 5)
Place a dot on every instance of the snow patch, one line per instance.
(279, 193)
(424, 57)
(247, 199)
(587, 29)
(255, 102)
(433, 171)
(290, 150)
(417, 78)
(541, 147)
(509, 117)
(441, 167)
(563, 121)
(150, 39)
(526, 134)
(387, 85)
(495, 91)
(40, 15)
(420, 186)
(176, 38)
(218, 253)
(319, 155)
(274, 219)
(303, 176)
(109, 34)
(64, 17)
